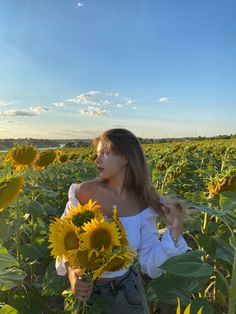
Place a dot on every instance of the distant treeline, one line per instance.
(184, 139)
(39, 143)
(6, 144)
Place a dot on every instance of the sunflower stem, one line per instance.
(84, 308)
(232, 298)
(18, 231)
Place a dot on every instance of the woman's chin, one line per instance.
(102, 176)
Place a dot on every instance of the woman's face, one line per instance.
(108, 164)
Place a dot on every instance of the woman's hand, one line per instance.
(174, 214)
(82, 289)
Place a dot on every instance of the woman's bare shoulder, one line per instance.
(86, 190)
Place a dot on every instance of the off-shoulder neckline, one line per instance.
(136, 215)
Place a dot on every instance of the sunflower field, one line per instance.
(33, 192)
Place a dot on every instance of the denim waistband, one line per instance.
(117, 283)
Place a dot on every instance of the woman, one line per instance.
(124, 183)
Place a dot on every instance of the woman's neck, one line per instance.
(116, 188)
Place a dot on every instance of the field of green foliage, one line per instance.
(33, 191)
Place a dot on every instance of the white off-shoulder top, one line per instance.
(143, 235)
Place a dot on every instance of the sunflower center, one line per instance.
(81, 218)
(101, 237)
(71, 241)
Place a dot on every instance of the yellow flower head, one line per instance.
(80, 259)
(63, 158)
(115, 262)
(84, 213)
(45, 159)
(226, 183)
(63, 237)
(9, 189)
(22, 156)
(99, 235)
(123, 240)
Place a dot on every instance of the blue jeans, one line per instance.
(123, 295)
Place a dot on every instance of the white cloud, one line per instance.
(82, 99)
(129, 101)
(32, 111)
(92, 93)
(85, 99)
(98, 99)
(59, 104)
(38, 109)
(4, 102)
(114, 94)
(80, 4)
(106, 102)
(17, 113)
(94, 112)
(165, 100)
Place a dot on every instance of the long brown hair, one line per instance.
(137, 179)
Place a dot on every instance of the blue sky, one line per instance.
(161, 68)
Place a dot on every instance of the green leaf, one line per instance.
(28, 302)
(222, 284)
(34, 251)
(194, 224)
(99, 306)
(7, 309)
(211, 211)
(54, 284)
(197, 303)
(228, 200)
(35, 208)
(212, 227)
(232, 241)
(224, 250)
(168, 287)
(207, 242)
(50, 211)
(10, 278)
(5, 230)
(50, 193)
(6, 260)
(225, 254)
(187, 265)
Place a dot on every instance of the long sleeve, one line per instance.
(152, 251)
(72, 202)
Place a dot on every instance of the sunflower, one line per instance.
(99, 236)
(226, 183)
(63, 237)
(45, 159)
(84, 213)
(9, 189)
(63, 158)
(123, 240)
(115, 262)
(22, 156)
(80, 259)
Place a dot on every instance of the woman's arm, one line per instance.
(152, 251)
(82, 289)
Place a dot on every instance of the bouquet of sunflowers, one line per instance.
(90, 242)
